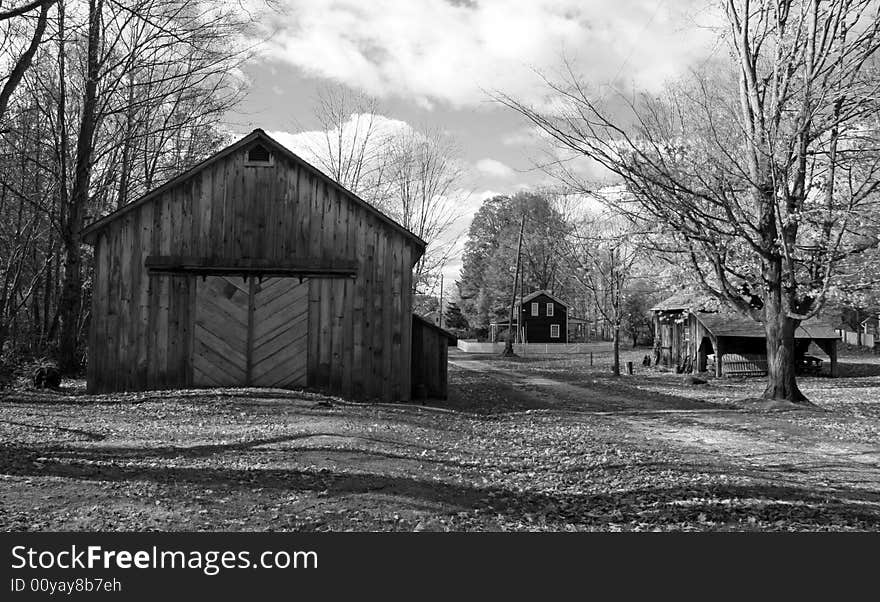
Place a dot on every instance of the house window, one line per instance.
(550, 310)
(554, 331)
(535, 307)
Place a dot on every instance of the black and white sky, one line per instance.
(437, 62)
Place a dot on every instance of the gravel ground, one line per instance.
(529, 444)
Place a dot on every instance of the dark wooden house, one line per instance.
(430, 353)
(694, 334)
(252, 269)
(543, 317)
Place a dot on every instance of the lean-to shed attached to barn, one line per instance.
(252, 269)
(430, 354)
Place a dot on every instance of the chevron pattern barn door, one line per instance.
(280, 333)
(221, 332)
(249, 332)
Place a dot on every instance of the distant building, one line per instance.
(538, 317)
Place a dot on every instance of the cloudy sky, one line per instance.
(436, 63)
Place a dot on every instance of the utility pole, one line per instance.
(520, 327)
(508, 347)
(441, 301)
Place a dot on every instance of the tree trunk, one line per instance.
(71, 290)
(779, 330)
(615, 369)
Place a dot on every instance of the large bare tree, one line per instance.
(602, 254)
(423, 172)
(413, 175)
(760, 170)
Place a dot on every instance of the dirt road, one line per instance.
(516, 447)
(808, 448)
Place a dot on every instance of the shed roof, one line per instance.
(733, 325)
(439, 330)
(688, 299)
(257, 134)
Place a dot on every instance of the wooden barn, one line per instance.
(692, 340)
(430, 357)
(252, 269)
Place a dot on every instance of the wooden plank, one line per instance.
(172, 368)
(336, 332)
(282, 371)
(97, 366)
(238, 265)
(145, 218)
(314, 329)
(283, 339)
(304, 213)
(225, 314)
(348, 290)
(211, 361)
(250, 331)
(388, 319)
(127, 357)
(267, 329)
(281, 342)
(113, 295)
(202, 374)
(378, 316)
(405, 373)
(278, 297)
(228, 346)
(357, 313)
(397, 319)
(325, 333)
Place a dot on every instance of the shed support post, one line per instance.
(832, 355)
(719, 356)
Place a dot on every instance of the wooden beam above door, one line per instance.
(210, 266)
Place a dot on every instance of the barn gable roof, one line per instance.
(732, 325)
(258, 134)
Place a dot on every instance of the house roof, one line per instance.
(733, 325)
(258, 134)
(442, 331)
(536, 294)
(529, 297)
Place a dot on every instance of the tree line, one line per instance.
(573, 248)
(101, 100)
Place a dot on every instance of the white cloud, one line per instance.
(313, 144)
(494, 168)
(439, 50)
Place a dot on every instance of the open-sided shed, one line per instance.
(252, 269)
(686, 337)
(739, 344)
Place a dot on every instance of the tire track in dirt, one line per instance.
(763, 444)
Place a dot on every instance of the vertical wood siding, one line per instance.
(359, 329)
